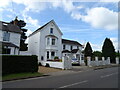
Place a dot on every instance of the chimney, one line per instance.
(15, 22)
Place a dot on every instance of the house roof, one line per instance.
(66, 51)
(65, 41)
(9, 44)
(74, 51)
(9, 27)
(43, 27)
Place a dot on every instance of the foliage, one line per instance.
(97, 53)
(118, 54)
(108, 50)
(88, 50)
(19, 64)
(56, 57)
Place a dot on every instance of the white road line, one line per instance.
(74, 84)
(109, 75)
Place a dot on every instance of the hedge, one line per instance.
(19, 64)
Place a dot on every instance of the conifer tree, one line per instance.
(108, 50)
(88, 50)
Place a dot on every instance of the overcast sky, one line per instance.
(81, 21)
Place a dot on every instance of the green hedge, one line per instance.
(19, 64)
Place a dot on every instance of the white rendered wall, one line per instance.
(45, 32)
(33, 44)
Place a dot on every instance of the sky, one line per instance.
(78, 20)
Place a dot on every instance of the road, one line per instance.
(102, 78)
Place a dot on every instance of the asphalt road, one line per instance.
(102, 78)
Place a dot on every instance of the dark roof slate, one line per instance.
(9, 27)
(65, 41)
(74, 51)
(9, 44)
(66, 51)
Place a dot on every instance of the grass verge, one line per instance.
(20, 76)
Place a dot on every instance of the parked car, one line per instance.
(75, 61)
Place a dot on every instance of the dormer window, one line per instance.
(51, 30)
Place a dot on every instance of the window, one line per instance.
(42, 58)
(51, 30)
(6, 51)
(6, 36)
(77, 47)
(52, 53)
(48, 41)
(47, 54)
(53, 41)
(71, 47)
(64, 46)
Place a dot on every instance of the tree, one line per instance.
(97, 53)
(21, 24)
(88, 50)
(108, 50)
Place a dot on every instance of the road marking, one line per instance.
(109, 75)
(74, 84)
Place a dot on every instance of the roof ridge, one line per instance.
(40, 27)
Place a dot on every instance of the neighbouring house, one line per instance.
(47, 43)
(73, 48)
(9, 38)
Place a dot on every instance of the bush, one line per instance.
(56, 57)
(19, 64)
(47, 65)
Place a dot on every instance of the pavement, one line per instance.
(75, 69)
(101, 78)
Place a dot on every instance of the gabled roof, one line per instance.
(9, 27)
(65, 41)
(9, 44)
(44, 26)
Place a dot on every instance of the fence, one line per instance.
(97, 62)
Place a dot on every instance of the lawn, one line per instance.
(20, 76)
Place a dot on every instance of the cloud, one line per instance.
(96, 47)
(101, 17)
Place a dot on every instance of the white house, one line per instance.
(9, 38)
(46, 42)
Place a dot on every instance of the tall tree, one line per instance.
(21, 24)
(108, 50)
(88, 50)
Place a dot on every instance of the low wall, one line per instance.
(97, 62)
(65, 64)
(55, 64)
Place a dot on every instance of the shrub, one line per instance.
(19, 64)
(56, 57)
(47, 65)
